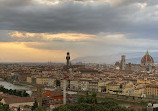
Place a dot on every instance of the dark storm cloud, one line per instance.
(79, 17)
(15, 3)
(61, 18)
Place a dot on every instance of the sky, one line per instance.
(44, 30)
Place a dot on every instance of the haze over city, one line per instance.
(44, 30)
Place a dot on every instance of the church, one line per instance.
(147, 63)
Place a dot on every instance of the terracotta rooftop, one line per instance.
(11, 100)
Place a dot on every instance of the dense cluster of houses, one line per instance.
(137, 80)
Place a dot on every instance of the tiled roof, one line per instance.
(147, 58)
(18, 100)
(50, 94)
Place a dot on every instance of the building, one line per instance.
(93, 86)
(29, 80)
(139, 92)
(68, 59)
(143, 81)
(101, 86)
(52, 97)
(17, 101)
(117, 65)
(74, 84)
(51, 82)
(147, 62)
(42, 80)
(38, 94)
(128, 89)
(113, 87)
(129, 66)
(123, 62)
(62, 83)
(151, 91)
(83, 85)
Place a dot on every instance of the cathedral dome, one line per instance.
(147, 59)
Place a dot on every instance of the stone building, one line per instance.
(147, 63)
(123, 62)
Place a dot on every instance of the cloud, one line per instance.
(84, 27)
(69, 16)
(48, 2)
(51, 36)
(15, 3)
(104, 44)
(142, 5)
(66, 16)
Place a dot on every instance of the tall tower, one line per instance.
(64, 92)
(64, 85)
(68, 59)
(123, 62)
(39, 95)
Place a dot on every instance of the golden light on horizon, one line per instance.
(48, 2)
(50, 36)
(116, 36)
(19, 52)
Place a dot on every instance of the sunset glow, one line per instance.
(19, 52)
(49, 36)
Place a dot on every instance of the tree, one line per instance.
(6, 107)
(107, 106)
(81, 99)
(57, 82)
(121, 86)
(104, 90)
(25, 94)
(87, 93)
(14, 92)
(94, 100)
(133, 98)
(40, 109)
(18, 109)
(35, 105)
(19, 93)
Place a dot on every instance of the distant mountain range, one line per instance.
(130, 57)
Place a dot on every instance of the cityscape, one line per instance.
(52, 85)
(78, 55)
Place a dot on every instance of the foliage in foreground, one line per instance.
(35, 105)
(89, 103)
(4, 107)
(14, 92)
(90, 107)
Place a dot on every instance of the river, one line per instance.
(8, 85)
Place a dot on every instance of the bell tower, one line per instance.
(39, 95)
(68, 59)
(123, 62)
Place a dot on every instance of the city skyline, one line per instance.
(44, 30)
